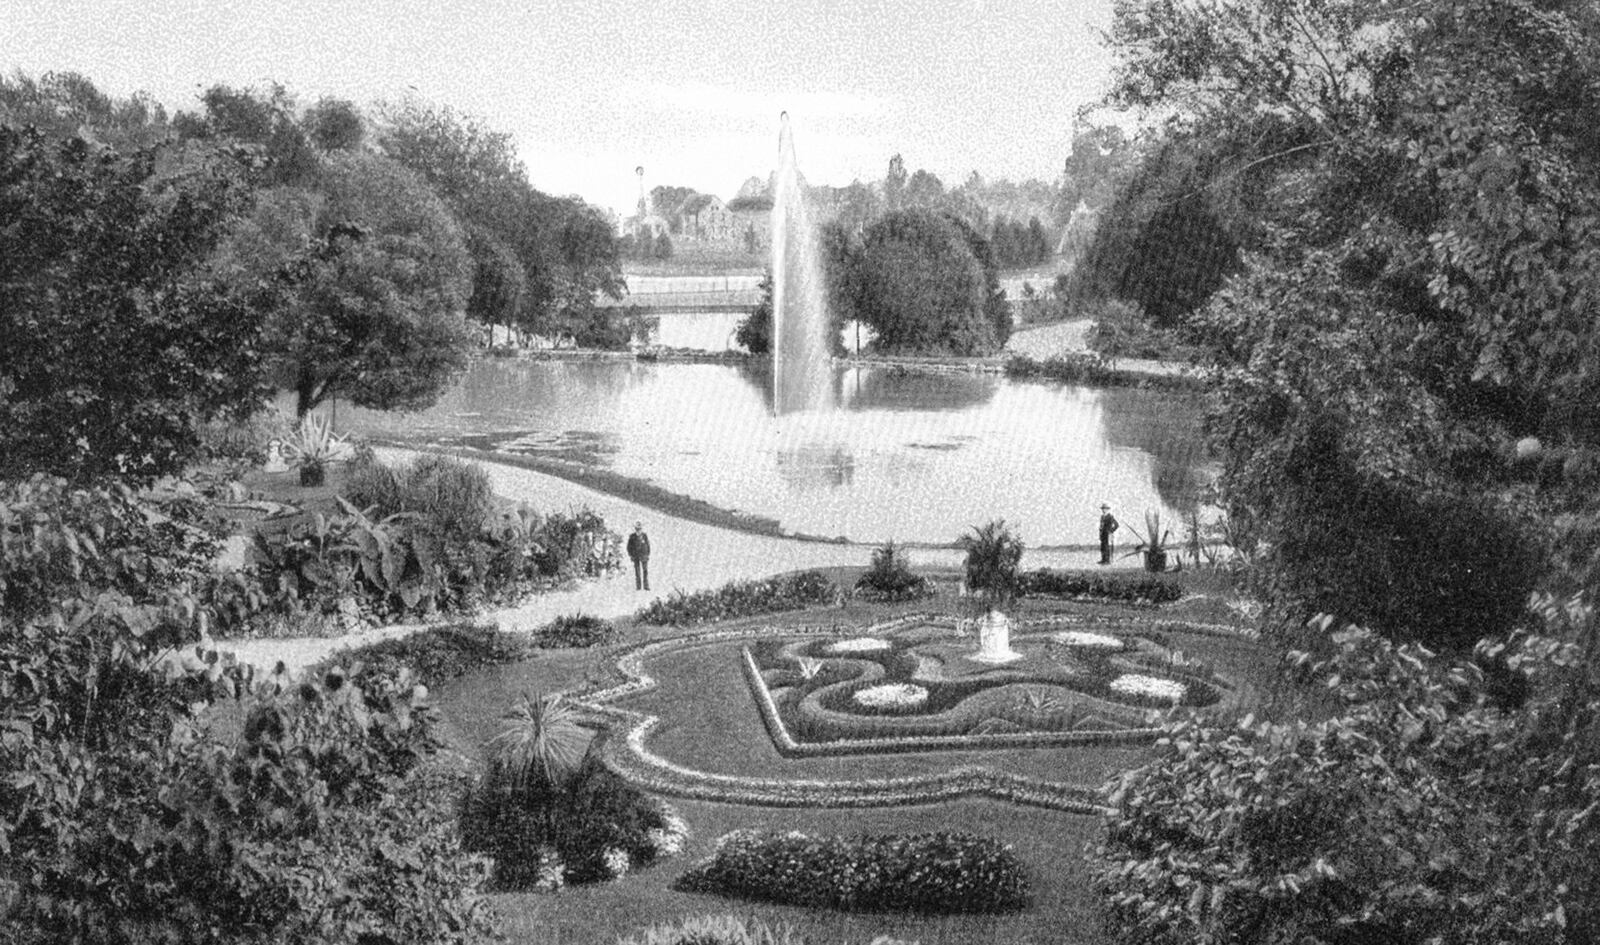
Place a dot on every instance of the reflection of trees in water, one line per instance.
(879, 388)
(1170, 428)
(884, 388)
(812, 466)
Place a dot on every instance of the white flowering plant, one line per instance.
(1148, 687)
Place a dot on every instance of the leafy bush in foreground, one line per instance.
(714, 930)
(1420, 813)
(1045, 582)
(548, 812)
(742, 599)
(424, 542)
(926, 873)
(890, 577)
(126, 818)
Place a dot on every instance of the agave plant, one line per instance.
(1153, 544)
(809, 667)
(312, 444)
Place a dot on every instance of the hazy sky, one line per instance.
(590, 90)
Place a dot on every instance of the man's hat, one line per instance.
(1105, 508)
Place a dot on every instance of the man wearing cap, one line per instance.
(639, 551)
(1108, 524)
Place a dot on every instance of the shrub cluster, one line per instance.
(890, 577)
(1091, 371)
(1418, 812)
(715, 930)
(575, 631)
(742, 599)
(437, 654)
(587, 827)
(127, 817)
(1143, 588)
(928, 873)
(414, 540)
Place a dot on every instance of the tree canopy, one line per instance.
(926, 284)
(117, 343)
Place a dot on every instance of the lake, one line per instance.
(907, 456)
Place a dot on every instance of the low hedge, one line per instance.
(1140, 589)
(435, 655)
(742, 599)
(930, 873)
(575, 631)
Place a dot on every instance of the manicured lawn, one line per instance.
(1051, 844)
(710, 723)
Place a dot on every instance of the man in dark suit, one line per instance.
(1108, 524)
(639, 551)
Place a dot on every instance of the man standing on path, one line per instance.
(1108, 524)
(639, 551)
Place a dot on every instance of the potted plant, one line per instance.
(312, 444)
(994, 556)
(1152, 544)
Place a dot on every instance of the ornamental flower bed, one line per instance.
(627, 750)
(933, 873)
(919, 683)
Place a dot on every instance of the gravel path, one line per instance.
(687, 556)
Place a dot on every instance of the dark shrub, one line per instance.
(588, 827)
(926, 873)
(575, 630)
(576, 544)
(1047, 583)
(1442, 571)
(451, 494)
(371, 484)
(435, 654)
(1415, 813)
(743, 599)
(890, 577)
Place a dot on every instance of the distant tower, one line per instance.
(644, 206)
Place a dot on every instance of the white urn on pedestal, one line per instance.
(994, 639)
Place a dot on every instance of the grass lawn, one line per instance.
(1051, 844)
(710, 722)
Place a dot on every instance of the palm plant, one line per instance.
(994, 554)
(541, 746)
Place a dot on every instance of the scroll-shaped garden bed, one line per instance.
(919, 689)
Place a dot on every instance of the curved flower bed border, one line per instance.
(624, 749)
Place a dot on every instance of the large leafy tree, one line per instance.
(63, 105)
(1416, 294)
(117, 344)
(367, 277)
(926, 284)
(565, 248)
(1424, 174)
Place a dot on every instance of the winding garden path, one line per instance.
(688, 557)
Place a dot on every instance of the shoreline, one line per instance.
(1123, 373)
(648, 494)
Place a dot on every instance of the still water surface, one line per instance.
(909, 457)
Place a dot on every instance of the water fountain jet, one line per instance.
(802, 369)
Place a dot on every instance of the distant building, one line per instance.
(705, 217)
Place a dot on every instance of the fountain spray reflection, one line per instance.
(801, 365)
